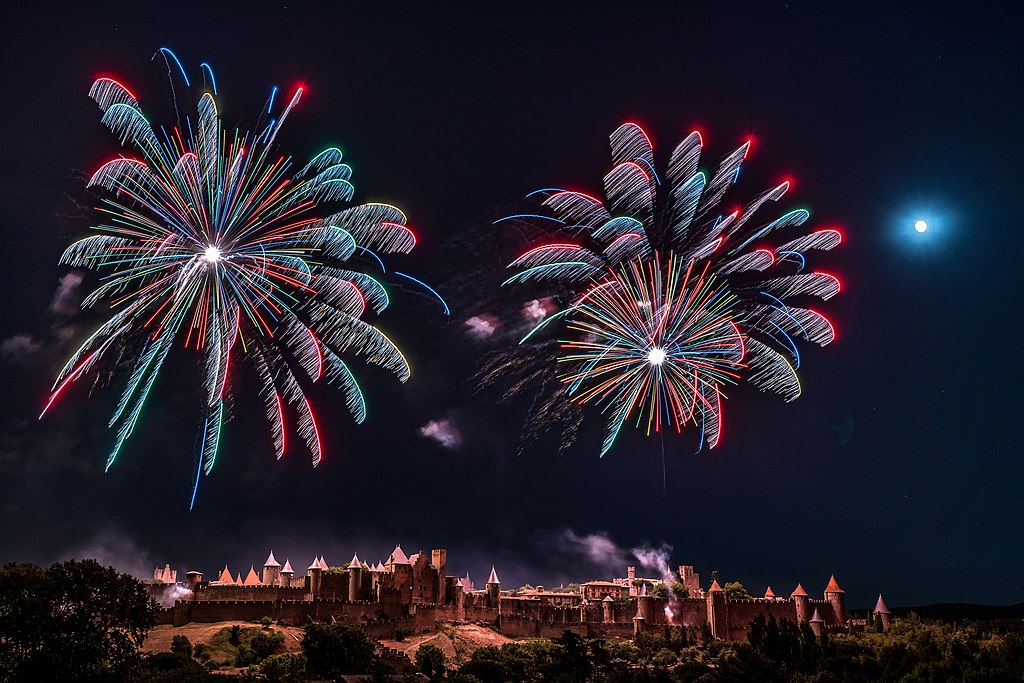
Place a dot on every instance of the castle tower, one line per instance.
(271, 571)
(800, 600)
(645, 605)
(355, 578)
(639, 625)
(608, 606)
(882, 613)
(630, 577)
(287, 573)
(816, 623)
(439, 561)
(837, 597)
(315, 572)
(718, 611)
(192, 578)
(769, 594)
(493, 590)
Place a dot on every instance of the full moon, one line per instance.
(212, 254)
(656, 356)
(920, 226)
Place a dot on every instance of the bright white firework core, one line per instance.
(656, 356)
(920, 226)
(212, 254)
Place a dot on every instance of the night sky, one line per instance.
(899, 469)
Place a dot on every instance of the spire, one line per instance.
(397, 556)
(271, 562)
(816, 619)
(287, 568)
(355, 563)
(881, 607)
(799, 592)
(251, 579)
(769, 594)
(833, 586)
(493, 578)
(238, 579)
(315, 564)
(715, 588)
(225, 575)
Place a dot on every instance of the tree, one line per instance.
(660, 590)
(76, 621)
(287, 668)
(734, 590)
(335, 649)
(679, 590)
(181, 646)
(430, 660)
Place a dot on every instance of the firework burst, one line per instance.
(662, 240)
(658, 342)
(212, 240)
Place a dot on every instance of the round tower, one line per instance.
(837, 598)
(271, 571)
(639, 624)
(192, 578)
(608, 606)
(287, 573)
(493, 590)
(802, 604)
(355, 578)
(315, 573)
(882, 613)
(718, 614)
(817, 624)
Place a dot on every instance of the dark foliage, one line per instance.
(335, 649)
(76, 621)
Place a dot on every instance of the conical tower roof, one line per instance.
(251, 578)
(271, 562)
(238, 579)
(715, 588)
(881, 607)
(816, 619)
(355, 563)
(833, 586)
(493, 578)
(799, 591)
(323, 563)
(769, 594)
(315, 564)
(225, 575)
(287, 568)
(398, 556)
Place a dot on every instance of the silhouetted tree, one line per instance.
(76, 621)
(335, 649)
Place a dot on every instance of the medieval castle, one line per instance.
(415, 593)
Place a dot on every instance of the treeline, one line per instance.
(775, 651)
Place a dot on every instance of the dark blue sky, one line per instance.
(880, 116)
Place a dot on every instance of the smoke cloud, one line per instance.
(482, 326)
(442, 431)
(66, 299)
